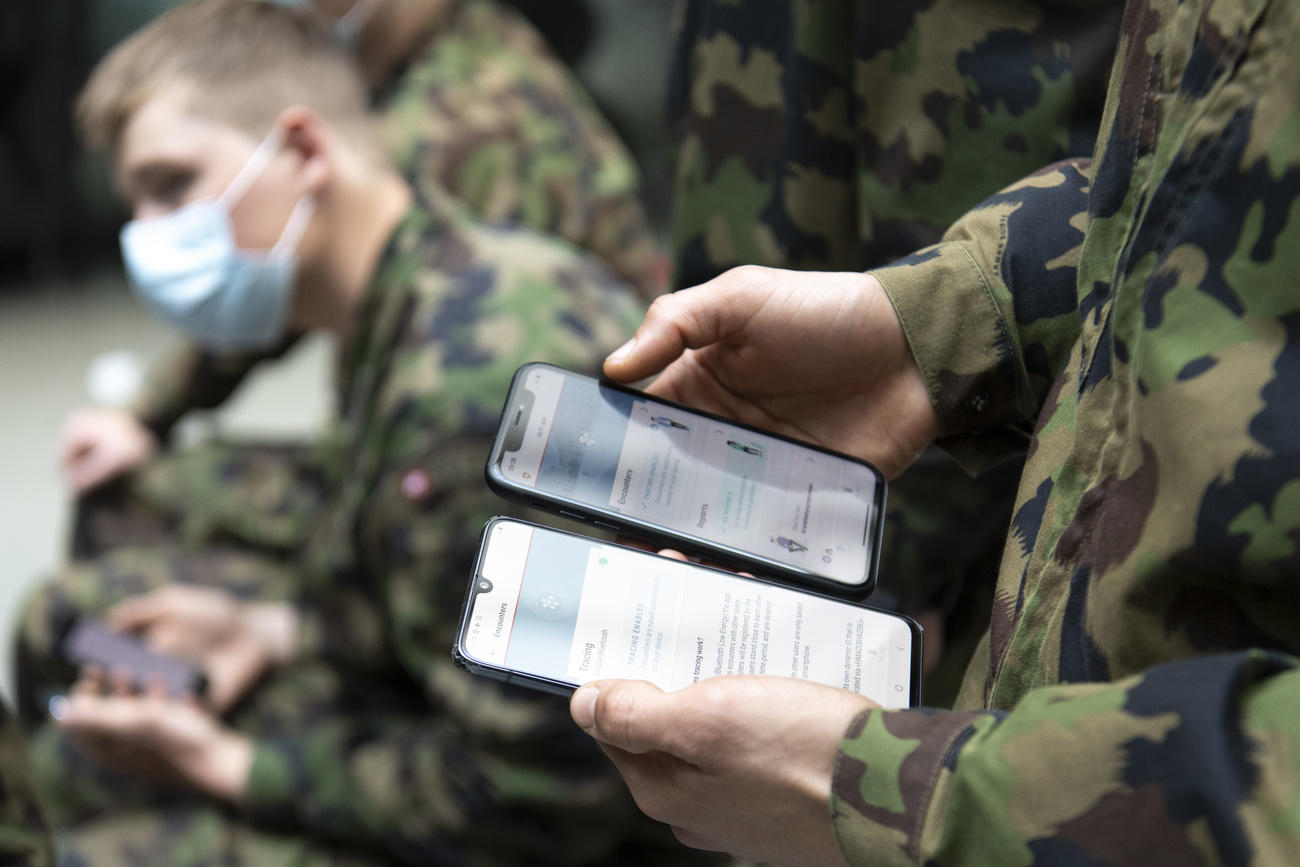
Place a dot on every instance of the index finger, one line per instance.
(689, 319)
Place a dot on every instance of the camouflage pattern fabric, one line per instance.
(486, 112)
(842, 134)
(839, 135)
(263, 495)
(1136, 320)
(180, 834)
(24, 835)
(376, 744)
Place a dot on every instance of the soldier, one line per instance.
(336, 728)
(909, 114)
(474, 105)
(1137, 318)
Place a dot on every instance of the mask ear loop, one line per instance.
(252, 170)
(299, 220)
(350, 25)
(299, 217)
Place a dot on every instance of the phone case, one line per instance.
(667, 538)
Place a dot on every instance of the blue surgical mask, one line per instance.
(186, 267)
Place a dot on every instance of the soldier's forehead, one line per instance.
(166, 128)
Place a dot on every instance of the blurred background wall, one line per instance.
(64, 303)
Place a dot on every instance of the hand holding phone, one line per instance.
(622, 460)
(554, 610)
(738, 764)
(817, 355)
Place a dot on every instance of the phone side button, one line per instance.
(570, 516)
(604, 526)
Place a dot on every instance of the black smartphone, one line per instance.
(618, 459)
(553, 610)
(90, 642)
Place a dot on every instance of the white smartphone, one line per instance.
(554, 610)
(619, 459)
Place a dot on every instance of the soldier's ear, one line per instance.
(308, 135)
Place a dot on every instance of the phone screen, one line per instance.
(571, 609)
(657, 464)
(91, 642)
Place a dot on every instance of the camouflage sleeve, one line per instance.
(190, 377)
(1193, 762)
(990, 312)
(24, 835)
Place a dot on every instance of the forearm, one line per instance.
(991, 312)
(189, 377)
(1080, 770)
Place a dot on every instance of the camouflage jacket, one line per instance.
(1136, 321)
(843, 134)
(24, 834)
(433, 765)
(483, 112)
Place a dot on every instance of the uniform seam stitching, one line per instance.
(1006, 344)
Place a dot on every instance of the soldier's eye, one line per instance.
(174, 186)
(171, 187)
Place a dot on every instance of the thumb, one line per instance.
(689, 319)
(632, 715)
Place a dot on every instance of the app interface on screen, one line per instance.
(695, 475)
(574, 610)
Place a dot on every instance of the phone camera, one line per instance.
(485, 585)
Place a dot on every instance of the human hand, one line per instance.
(99, 444)
(740, 764)
(234, 641)
(153, 735)
(815, 355)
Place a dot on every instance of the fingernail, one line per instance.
(623, 351)
(58, 707)
(584, 707)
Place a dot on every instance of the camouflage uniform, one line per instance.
(24, 836)
(841, 135)
(486, 112)
(1135, 320)
(374, 745)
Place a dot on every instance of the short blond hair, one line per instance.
(237, 62)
